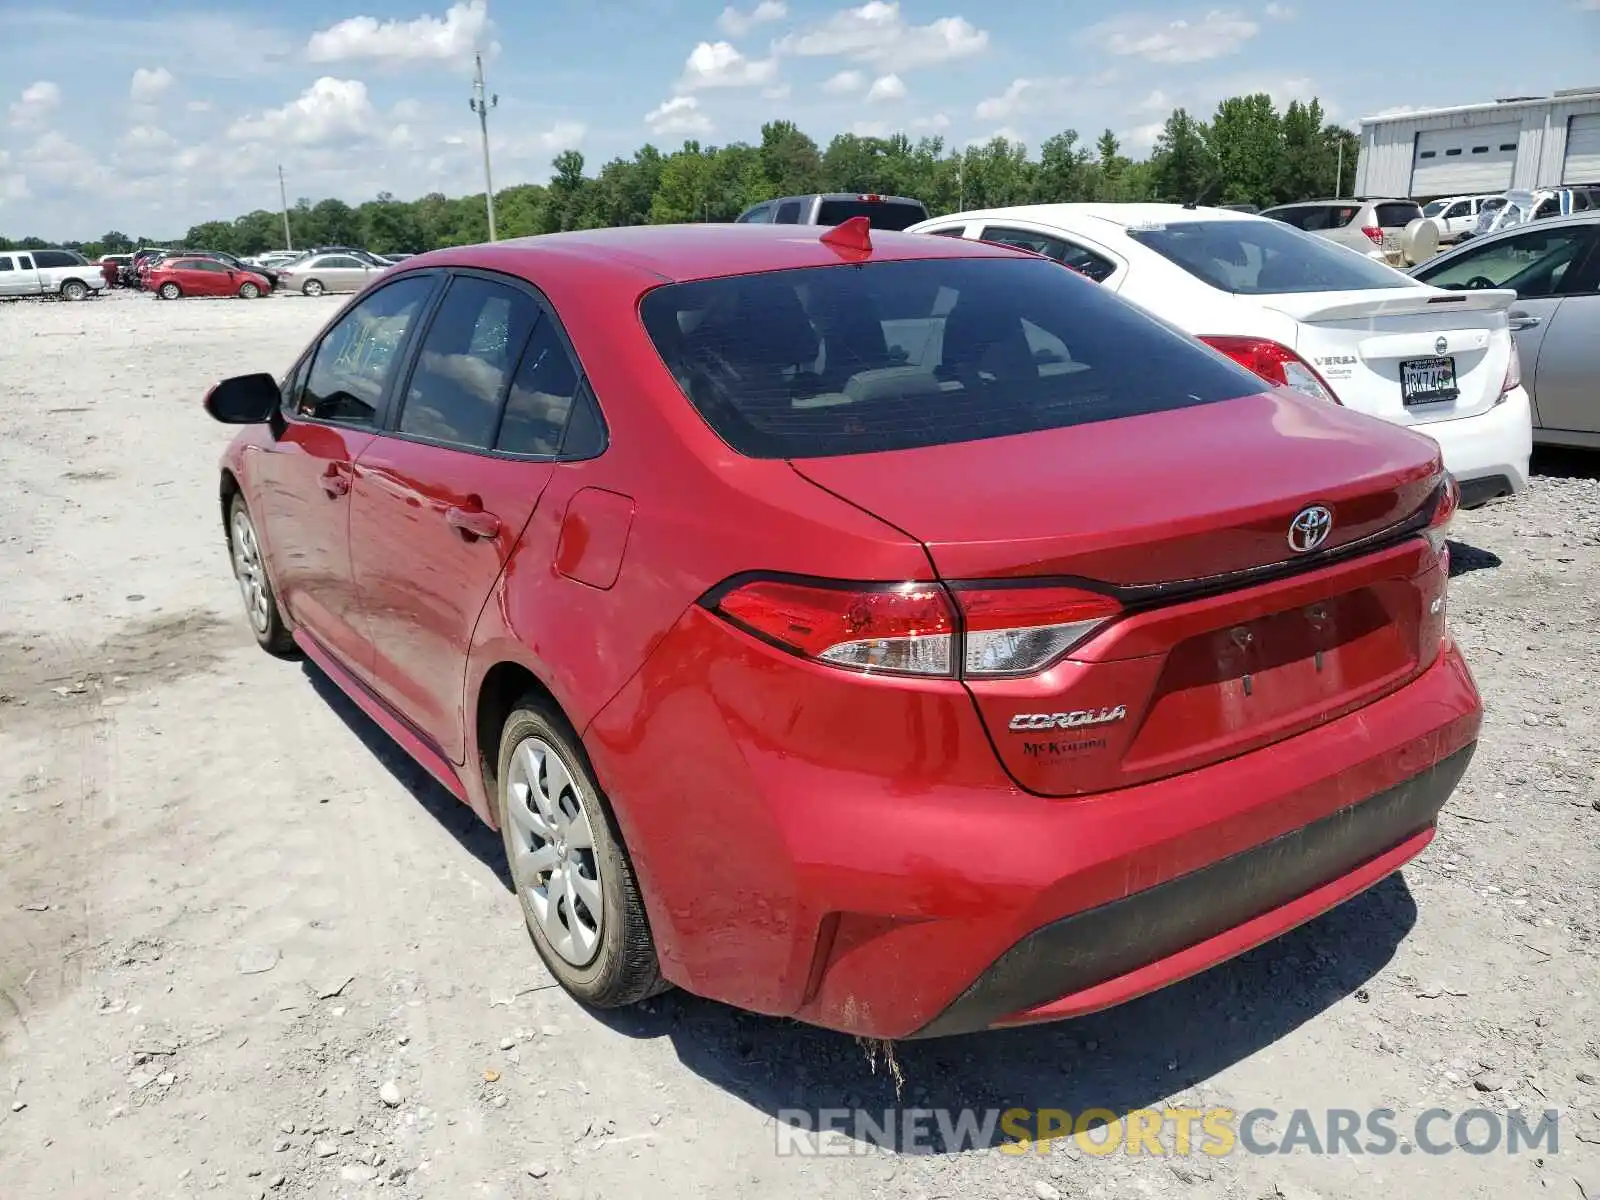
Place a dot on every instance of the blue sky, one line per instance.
(151, 117)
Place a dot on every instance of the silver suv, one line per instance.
(835, 208)
(1371, 225)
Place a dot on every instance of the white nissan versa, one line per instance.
(1303, 312)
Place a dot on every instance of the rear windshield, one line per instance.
(894, 355)
(1264, 258)
(1315, 217)
(1397, 216)
(881, 214)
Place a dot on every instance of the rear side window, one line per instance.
(788, 213)
(5, 264)
(1315, 218)
(57, 258)
(1084, 262)
(895, 355)
(1261, 258)
(880, 214)
(541, 396)
(1397, 216)
(465, 363)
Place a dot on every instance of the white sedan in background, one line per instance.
(1305, 313)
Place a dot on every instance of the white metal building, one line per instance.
(1525, 142)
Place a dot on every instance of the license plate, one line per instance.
(1428, 381)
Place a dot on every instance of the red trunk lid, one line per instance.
(1157, 506)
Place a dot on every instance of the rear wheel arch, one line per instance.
(502, 687)
(227, 488)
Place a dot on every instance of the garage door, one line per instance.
(1453, 162)
(1583, 150)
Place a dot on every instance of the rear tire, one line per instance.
(169, 291)
(248, 291)
(250, 572)
(313, 287)
(556, 824)
(74, 289)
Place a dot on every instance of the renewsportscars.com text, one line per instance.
(1167, 1132)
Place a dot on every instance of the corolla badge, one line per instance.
(1441, 346)
(1310, 528)
(1076, 719)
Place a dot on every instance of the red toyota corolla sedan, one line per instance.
(898, 633)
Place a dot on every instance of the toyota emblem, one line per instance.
(1309, 529)
(1441, 346)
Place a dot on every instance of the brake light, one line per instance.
(1374, 234)
(911, 628)
(1020, 630)
(1274, 362)
(871, 198)
(903, 629)
(1513, 377)
(1444, 511)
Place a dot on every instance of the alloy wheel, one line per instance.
(313, 287)
(251, 574)
(553, 859)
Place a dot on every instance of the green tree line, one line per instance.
(1248, 153)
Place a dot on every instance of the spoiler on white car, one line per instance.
(1317, 307)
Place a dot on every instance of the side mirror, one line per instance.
(244, 400)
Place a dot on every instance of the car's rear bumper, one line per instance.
(1105, 955)
(899, 885)
(1488, 453)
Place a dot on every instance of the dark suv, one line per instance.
(835, 208)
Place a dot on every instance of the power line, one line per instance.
(482, 108)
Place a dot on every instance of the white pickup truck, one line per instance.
(63, 273)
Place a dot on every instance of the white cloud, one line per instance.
(679, 115)
(1282, 12)
(198, 106)
(1141, 138)
(1174, 39)
(1005, 131)
(58, 160)
(13, 183)
(450, 38)
(149, 86)
(736, 23)
(407, 110)
(1156, 102)
(886, 87)
(718, 64)
(844, 83)
(330, 110)
(144, 139)
(937, 123)
(877, 33)
(871, 129)
(779, 91)
(1023, 96)
(37, 102)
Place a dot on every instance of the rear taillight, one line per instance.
(1020, 630)
(913, 629)
(1374, 234)
(1513, 377)
(1274, 362)
(1444, 511)
(904, 629)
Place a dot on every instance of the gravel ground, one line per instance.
(247, 949)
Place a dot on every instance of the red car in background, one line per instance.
(897, 633)
(174, 277)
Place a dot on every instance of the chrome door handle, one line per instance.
(1522, 320)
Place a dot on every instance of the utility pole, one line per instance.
(1338, 178)
(283, 195)
(481, 107)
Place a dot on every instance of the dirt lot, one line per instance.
(231, 913)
